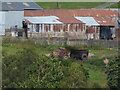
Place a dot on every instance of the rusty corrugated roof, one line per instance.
(105, 21)
(64, 15)
(67, 15)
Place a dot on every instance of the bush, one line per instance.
(74, 77)
(30, 71)
(15, 67)
(113, 71)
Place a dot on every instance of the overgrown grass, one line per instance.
(95, 65)
(97, 69)
(69, 5)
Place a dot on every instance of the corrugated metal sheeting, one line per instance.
(67, 16)
(43, 20)
(89, 21)
(71, 12)
(13, 18)
(105, 21)
(19, 6)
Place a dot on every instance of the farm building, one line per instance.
(80, 23)
(49, 24)
(13, 14)
(2, 23)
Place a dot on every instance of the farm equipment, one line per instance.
(76, 54)
(62, 52)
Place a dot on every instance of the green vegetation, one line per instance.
(113, 70)
(114, 6)
(69, 5)
(102, 51)
(26, 66)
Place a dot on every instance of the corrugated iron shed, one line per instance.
(89, 21)
(19, 6)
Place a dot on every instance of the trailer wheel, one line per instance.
(84, 56)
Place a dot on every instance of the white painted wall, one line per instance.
(9, 19)
(2, 23)
(13, 18)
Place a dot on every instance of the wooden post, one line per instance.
(85, 27)
(68, 27)
(58, 4)
(98, 32)
(39, 28)
(51, 27)
(31, 32)
(43, 28)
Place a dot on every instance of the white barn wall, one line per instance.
(14, 18)
(2, 23)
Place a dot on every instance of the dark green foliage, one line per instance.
(16, 66)
(75, 77)
(30, 68)
(96, 86)
(113, 72)
(51, 73)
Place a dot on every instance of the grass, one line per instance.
(115, 6)
(96, 69)
(96, 75)
(102, 51)
(69, 5)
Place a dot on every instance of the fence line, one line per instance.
(72, 42)
(102, 43)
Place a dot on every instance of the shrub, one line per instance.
(74, 77)
(15, 67)
(113, 72)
